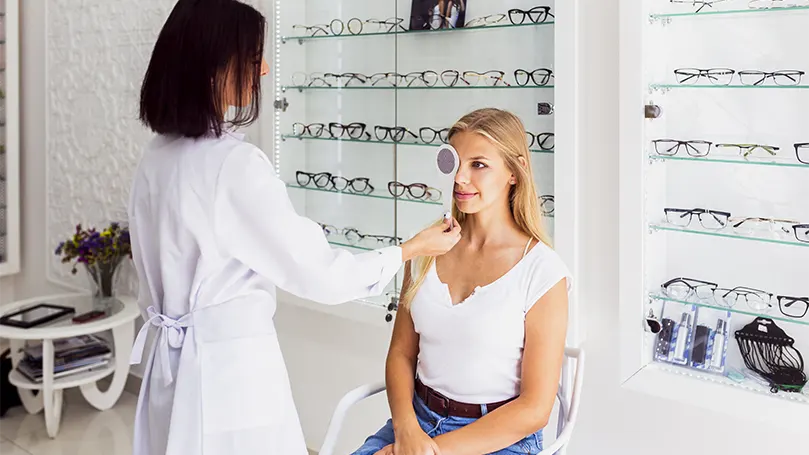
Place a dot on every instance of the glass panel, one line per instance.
(473, 29)
(371, 141)
(355, 108)
(477, 67)
(724, 175)
(336, 118)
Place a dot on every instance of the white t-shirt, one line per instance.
(472, 352)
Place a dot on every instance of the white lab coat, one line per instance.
(213, 234)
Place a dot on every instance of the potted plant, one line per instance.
(100, 252)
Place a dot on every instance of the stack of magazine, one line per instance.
(70, 356)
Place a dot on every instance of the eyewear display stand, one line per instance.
(365, 91)
(714, 220)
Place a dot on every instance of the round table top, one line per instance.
(120, 310)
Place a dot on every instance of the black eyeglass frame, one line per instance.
(546, 75)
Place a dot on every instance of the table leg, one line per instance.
(123, 336)
(51, 397)
(32, 402)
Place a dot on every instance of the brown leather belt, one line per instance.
(446, 407)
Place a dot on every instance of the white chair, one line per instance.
(567, 396)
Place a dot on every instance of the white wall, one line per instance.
(328, 355)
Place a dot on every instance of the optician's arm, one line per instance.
(545, 329)
(256, 223)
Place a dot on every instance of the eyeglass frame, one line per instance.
(692, 289)
(389, 133)
(544, 15)
(544, 199)
(702, 3)
(698, 212)
(685, 144)
(770, 75)
(481, 76)
(747, 149)
(325, 28)
(483, 18)
(407, 189)
(313, 178)
(436, 134)
(391, 240)
(338, 77)
(703, 72)
(349, 183)
(307, 128)
(781, 298)
(744, 292)
(530, 76)
(535, 139)
(345, 127)
(798, 147)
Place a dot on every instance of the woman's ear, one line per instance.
(524, 165)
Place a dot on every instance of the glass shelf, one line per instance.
(372, 195)
(301, 39)
(717, 87)
(729, 160)
(375, 196)
(730, 12)
(374, 141)
(728, 235)
(774, 313)
(301, 88)
(746, 384)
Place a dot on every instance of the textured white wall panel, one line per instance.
(97, 53)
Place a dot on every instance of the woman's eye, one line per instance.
(478, 165)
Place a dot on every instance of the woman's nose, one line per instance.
(462, 176)
(265, 67)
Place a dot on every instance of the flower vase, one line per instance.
(103, 279)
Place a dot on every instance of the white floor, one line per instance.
(84, 429)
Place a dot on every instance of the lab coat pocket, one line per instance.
(243, 384)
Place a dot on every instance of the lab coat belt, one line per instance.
(238, 318)
(172, 334)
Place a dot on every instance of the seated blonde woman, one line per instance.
(477, 349)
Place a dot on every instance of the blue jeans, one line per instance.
(434, 425)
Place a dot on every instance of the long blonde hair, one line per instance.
(507, 133)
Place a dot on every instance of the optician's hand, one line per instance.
(433, 241)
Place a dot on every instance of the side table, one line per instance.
(120, 319)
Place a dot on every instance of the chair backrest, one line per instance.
(569, 395)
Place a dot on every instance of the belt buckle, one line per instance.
(444, 404)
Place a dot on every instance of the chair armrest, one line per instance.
(350, 399)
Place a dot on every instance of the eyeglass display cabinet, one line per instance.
(714, 177)
(366, 90)
(9, 138)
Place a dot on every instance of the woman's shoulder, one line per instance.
(543, 270)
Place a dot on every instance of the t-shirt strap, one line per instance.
(527, 246)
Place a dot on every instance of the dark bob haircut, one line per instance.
(205, 47)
